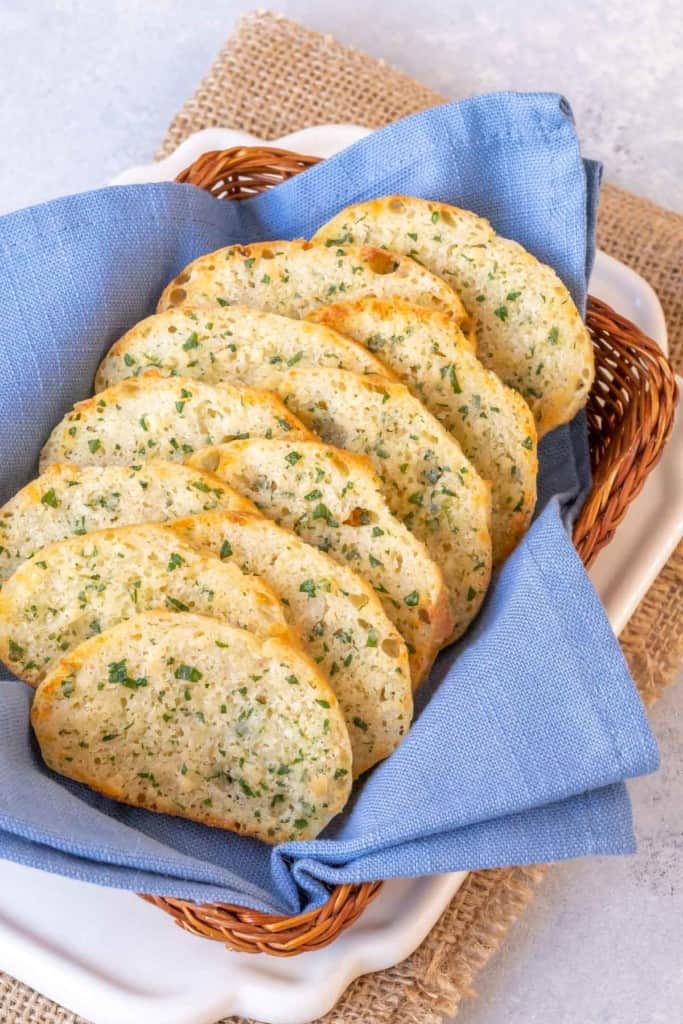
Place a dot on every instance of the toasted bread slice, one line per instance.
(333, 499)
(235, 345)
(186, 715)
(72, 500)
(155, 417)
(528, 329)
(492, 422)
(339, 619)
(78, 587)
(427, 481)
(293, 278)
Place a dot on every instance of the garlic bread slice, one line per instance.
(68, 500)
(234, 345)
(293, 278)
(79, 587)
(185, 715)
(155, 417)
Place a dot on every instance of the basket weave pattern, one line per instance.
(630, 413)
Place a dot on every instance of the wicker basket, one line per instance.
(630, 415)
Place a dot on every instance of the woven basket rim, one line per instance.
(630, 419)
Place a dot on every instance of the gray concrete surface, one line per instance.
(87, 90)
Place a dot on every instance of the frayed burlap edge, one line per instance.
(266, 80)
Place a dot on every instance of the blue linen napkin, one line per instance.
(527, 729)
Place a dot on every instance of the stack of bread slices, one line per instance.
(286, 495)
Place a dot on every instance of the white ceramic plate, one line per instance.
(115, 960)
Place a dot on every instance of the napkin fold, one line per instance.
(527, 728)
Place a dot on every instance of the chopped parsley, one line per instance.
(118, 673)
(188, 672)
(16, 651)
(342, 240)
(50, 498)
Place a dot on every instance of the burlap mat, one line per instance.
(273, 77)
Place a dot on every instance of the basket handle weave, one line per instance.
(630, 414)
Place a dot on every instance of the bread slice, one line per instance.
(186, 715)
(528, 329)
(236, 345)
(73, 500)
(78, 587)
(492, 422)
(157, 417)
(333, 500)
(293, 278)
(339, 619)
(427, 481)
